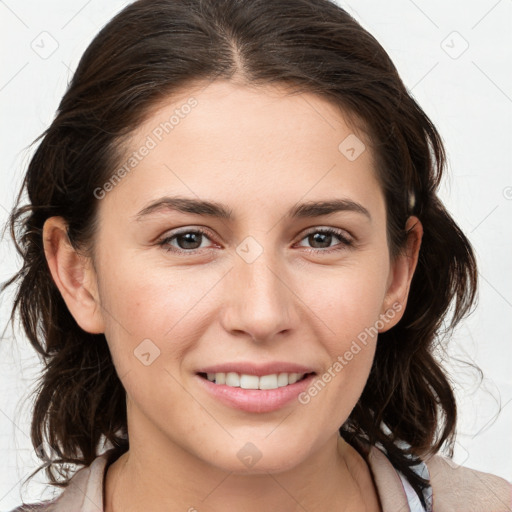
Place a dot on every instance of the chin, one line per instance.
(260, 456)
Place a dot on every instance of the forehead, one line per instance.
(221, 140)
(216, 109)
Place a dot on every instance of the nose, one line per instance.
(258, 301)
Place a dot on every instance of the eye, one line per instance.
(188, 241)
(324, 237)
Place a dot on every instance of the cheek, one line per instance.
(349, 305)
(350, 314)
(150, 326)
(163, 306)
(349, 299)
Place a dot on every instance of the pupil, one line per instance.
(189, 239)
(323, 236)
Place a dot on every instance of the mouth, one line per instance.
(247, 381)
(255, 393)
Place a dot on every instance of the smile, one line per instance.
(246, 381)
(263, 393)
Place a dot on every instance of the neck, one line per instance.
(139, 480)
(159, 474)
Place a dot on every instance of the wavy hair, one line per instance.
(153, 49)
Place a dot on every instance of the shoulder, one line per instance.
(453, 488)
(459, 488)
(84, 492)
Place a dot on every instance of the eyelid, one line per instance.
(342, 233)
(164, 240)
(347, 240)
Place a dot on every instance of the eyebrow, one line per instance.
(213, 209)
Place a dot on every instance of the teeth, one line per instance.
(249, 381)
(270, 381)
(232, 379)
(244, 381)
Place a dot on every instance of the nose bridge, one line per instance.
(260, 302)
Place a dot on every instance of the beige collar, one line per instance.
(85, 490)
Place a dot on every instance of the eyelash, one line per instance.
(345, 241)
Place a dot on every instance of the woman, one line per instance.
(235, 268)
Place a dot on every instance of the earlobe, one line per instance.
(402, 272)
(73, 275)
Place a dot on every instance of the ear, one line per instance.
(400, 275)
(73, 275)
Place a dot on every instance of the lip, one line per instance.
(256, 400)
(250, 368)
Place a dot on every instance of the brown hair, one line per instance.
(147, 52)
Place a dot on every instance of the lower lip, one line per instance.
(256, 400)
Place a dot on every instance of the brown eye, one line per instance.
(321, 240)
(186, 241)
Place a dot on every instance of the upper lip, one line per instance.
(248, 368)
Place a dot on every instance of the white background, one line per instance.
(467, 92)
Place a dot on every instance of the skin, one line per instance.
(259, 152)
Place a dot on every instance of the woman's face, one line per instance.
(278, 287)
